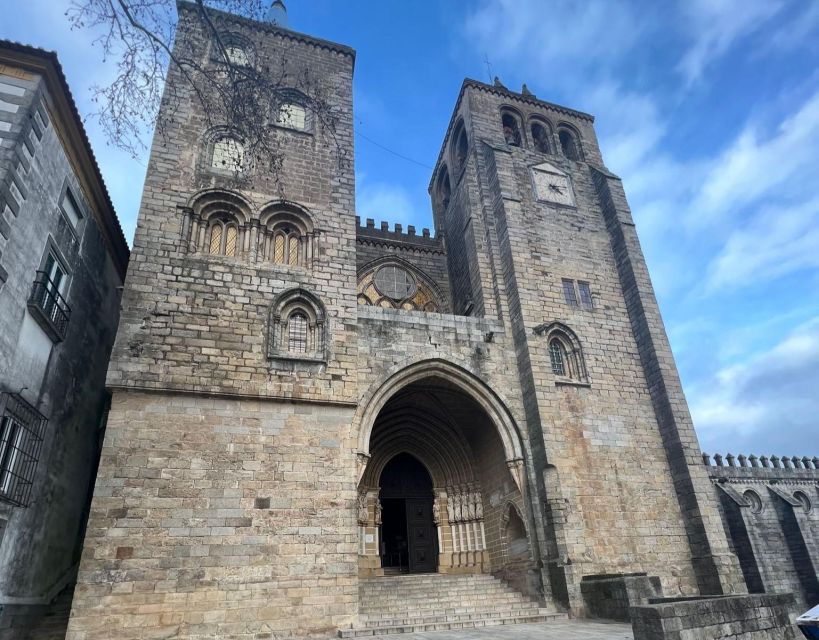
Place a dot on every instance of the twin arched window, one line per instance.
(287, 236)
(223, 236)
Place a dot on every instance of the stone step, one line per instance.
(448, 626)
(430, 602)
(453, 615)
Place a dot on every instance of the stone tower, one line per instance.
(304, 406)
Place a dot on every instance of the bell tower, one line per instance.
(233, 375)
(539, 236)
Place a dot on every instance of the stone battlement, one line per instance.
(762, 462)
(383, 232)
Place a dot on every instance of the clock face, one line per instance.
(552, 185)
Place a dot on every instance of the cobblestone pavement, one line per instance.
(557, 630)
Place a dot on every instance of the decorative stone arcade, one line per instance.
(432, 446)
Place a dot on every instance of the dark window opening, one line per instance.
(297, 333)
(21, 437)
(540, 138)
(585, 295)
(557, 355)
(511, 131)
(569, 293)
(568, 144)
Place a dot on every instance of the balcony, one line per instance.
(48, 307)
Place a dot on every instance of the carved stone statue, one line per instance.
(378, 512)
(436, 511)
(450, 508)
(363, 515)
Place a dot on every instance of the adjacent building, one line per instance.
(63, 259)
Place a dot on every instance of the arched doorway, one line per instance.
(447, 430)
(408, 536)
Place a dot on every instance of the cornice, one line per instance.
(68, 123)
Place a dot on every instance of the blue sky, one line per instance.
(708, 109)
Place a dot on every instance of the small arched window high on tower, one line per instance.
(297, 329)
(444, 188)
(541, 136)
(228, 155)
(217, 224)
(565, 353)
(511, 128)
(569, 143)
(287, 235)
(460, 148)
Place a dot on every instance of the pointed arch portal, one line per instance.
(440, 460)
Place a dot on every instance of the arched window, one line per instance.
(222, 236)
(569, 143)
(297, 329)
(565, 354)
(288, 237)
(217, 223)
(460, 147)
(444, 188)
(541, 137)
(236, 55)
(511, 128)
(228, 155)
(293, 112)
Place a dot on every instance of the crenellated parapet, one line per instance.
(765, 465)
(397, 236)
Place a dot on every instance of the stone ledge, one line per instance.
(750, 617)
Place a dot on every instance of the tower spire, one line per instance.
(277, 14)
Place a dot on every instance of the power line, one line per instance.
(388, 150)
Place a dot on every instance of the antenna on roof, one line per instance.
(277, 14)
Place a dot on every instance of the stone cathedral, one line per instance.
(316, 419)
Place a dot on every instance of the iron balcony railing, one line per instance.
(49, 306)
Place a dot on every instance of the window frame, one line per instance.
(25, 425)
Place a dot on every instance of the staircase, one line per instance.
(435, 602)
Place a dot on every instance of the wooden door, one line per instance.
(423, 544)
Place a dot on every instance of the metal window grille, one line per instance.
(230, 241)
(297, 333)
(22, 428)
(556, 356)
(278, 249)
(293, 259)
(46, 298)
(585, 295)
(216, 239)
(569, 293)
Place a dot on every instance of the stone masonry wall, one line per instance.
(226, 491)
(218, 517)
(769, 506)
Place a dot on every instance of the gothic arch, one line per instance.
(570, 141)
(458, 148)
(466, 382)
(512, 126)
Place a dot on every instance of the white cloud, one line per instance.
(558, 37)
(716, 25)
(767, 404)
(758, 166)
(778, 240)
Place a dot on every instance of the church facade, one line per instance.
(304, 402)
